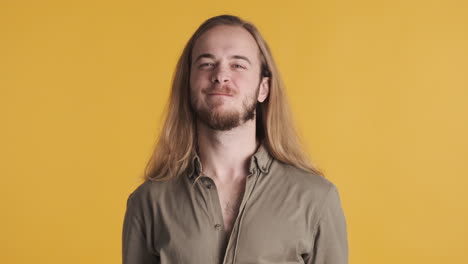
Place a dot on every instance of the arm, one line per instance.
(134, 244)
(330, 235)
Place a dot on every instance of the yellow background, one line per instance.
(379, 90)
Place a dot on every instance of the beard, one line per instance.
(228, 119)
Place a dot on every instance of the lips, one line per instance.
(219, 94)
(224, 90)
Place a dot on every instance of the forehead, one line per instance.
(225, 41)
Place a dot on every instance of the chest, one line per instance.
(230, 199)
(272, 228)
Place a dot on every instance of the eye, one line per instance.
(206, 64)
(239, 66)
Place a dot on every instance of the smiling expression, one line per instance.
(225, 83)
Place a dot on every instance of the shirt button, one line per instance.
(217, 226)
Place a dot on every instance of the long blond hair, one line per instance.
(176, 145)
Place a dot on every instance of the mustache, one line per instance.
(224, 90)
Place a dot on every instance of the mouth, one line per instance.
(219, 94)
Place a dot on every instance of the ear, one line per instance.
(264, 89)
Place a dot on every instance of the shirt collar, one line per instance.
(260, 160)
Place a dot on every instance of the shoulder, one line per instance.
(149, 191)
(315, 185)
(313, 190)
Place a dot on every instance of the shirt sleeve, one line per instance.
(330, 239)
(134, 242)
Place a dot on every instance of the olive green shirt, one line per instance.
(287, 215)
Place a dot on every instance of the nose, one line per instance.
(220, 75)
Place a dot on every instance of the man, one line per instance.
(228, 181)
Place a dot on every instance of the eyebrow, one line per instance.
(211, 56)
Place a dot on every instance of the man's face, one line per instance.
(225, 83)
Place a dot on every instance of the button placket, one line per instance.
(231, 249)
(207, 182)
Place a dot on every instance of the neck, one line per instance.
(225, 155)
